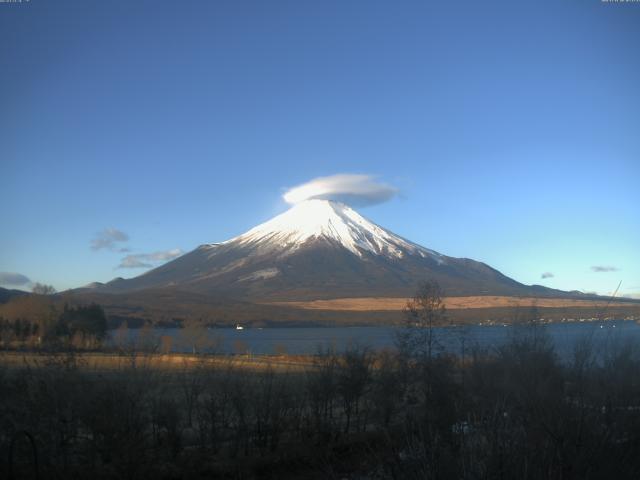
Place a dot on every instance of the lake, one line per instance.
(604, 335)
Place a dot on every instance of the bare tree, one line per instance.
(354, 376)
(42, 289)
(423, 313)
(194, 338)
(192, 386)
(321, 389)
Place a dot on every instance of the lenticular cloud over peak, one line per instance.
(352, 189)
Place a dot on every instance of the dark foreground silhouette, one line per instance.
(515, 412)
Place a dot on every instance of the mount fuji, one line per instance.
(319, 249)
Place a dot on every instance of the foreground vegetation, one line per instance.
(70, 410)
(516, 412)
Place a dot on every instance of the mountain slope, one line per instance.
(320, 249)
(8, 294)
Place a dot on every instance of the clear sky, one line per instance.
(130, 129)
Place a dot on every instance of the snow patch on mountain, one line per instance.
(260, 275)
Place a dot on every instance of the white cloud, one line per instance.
(108, 239)
(148, 260)
(134, 261)
(631, 292)
(547, 275)
(603, 268)
(12, 278)
(353, 189)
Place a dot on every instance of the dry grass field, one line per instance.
(103, 362)
(452, 303)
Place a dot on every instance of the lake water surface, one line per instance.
(604, 336)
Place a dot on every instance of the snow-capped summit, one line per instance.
(330, 221)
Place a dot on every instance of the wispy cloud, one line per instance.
(353, 189)
(13, 279)
(109, 239)
(134, 261)
(547, 275)
(632, 292)
(603, 268)
(148, 260)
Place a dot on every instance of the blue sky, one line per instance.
(510, 129)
